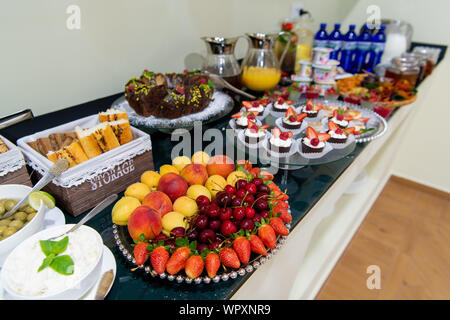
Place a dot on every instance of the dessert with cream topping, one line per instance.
(241, 118)
(311, 109)
(314, 142)
(339, 118)
(280, 141)
(256, 106)
(338, 135)
(293, 120)
(282, 105)
(254, 134)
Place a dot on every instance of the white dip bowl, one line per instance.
(22, 281)
(17, 192)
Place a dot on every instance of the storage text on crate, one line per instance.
(112, 175)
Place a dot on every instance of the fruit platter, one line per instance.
(169, 101)
(202, 219)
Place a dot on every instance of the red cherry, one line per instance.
(261, 205)
(247, 224)
(340, 116)
(308, 107)
(236, 202)
(251, 188)
(284, 136)
(240, 193)
(338, 131)
(251, 116)
(161, 236)
(249, 199)
(255, 104)
(213, 211)
(201, 222)
(230, 189)
(171, 244)
(228, 228)
(214, 245)
(280, 100)
(257, 181)
(203, 208)
(178, 232)
(249, 212)
(202, 200)
(241, 183)
(215, 224)
(256, 218)
(239, 213)
(225, 214)
(315, 141)
(192, 235)
(263, 188)
(264, 214)
(207, 236)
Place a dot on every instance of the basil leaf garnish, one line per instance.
(55, 247)
(47, 261)
(63, 265)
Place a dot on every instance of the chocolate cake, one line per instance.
(169, 95)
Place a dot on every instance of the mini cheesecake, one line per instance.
(338, 135)
(280, 142)
(281, 105)
(292, 120)
(312, 110)
(314, 142)
(255, 134)
(241, 119)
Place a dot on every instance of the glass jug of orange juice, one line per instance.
(261, 69)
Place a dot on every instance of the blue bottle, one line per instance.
(321, 37)
(348, 48)
(377, 47)
(335, 42)
(362, 51)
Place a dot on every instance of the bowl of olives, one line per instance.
(22, 224)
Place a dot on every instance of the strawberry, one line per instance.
(237, 115)
(194, 266)
(242, 247)
(245, 164)
(158, 258)
(350, 130)
(348, 118)
(266, 175)
(177, 260)
(286, 135)
(276, 132)
(282, 212)
(280, 100)
(332, 126)
(310, 105)
(265, 126)
(264, 102)
(267, 235)
(212, 264)
(257, 246)
(278, 226)
(252, 115)
(311, 133)
(140, 253)
(289, 102)
(290, 112)
(364, 119)
(300, 117)
(252, 126)
(319, 106)
(335, 113)
(247, 104)
(323, 137)
(229, 258)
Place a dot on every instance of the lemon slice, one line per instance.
(34, 199)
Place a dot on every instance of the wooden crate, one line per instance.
(20, 176)
(76, 200)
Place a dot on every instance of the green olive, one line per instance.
(30, 210)
(2, 201)
(16, 224)
(9, 204)
(20, 215)
(9, 232)
(30, 216)
(2, 209)
(5, 222)
(2, 229)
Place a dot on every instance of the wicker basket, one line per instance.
(83, 186)
(17, 174)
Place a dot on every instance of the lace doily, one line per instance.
(88, 170)
(12, 160)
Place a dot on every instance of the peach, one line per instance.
(144, 221)
(194, 173)
(173, 185)
(221, 165)
(159, 201)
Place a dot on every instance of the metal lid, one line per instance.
(261, 40)
(219, 45)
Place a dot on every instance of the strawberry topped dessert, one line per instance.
(254, 134)
(314, 142)
(282, 104)
(241, 118)
(293, 120)
(311, 109)
(257, 105)
(340, 119)
(280, 141)
(338, 135)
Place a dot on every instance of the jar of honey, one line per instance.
(400, 70)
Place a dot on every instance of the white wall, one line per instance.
(47, 67)
(424, 155)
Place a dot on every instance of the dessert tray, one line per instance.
(220, 106)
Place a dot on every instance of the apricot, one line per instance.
(144, 221)
(194, 173)
(220, 165)
(173, 185)
(159, 201)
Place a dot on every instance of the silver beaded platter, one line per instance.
(124, 242)
(220, 105)
(377, 122)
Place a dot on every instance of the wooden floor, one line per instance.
(407, 234)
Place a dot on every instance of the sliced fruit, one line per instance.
(300, 117)
(323, 136)
(276, 132)
(350, 130)
(265, 126)
(34, 199)
(237, 115)
(290, 112)
(311, 133)
(364, 119)
(247, 104)
(332, 126)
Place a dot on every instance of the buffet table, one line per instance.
(324, 219)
